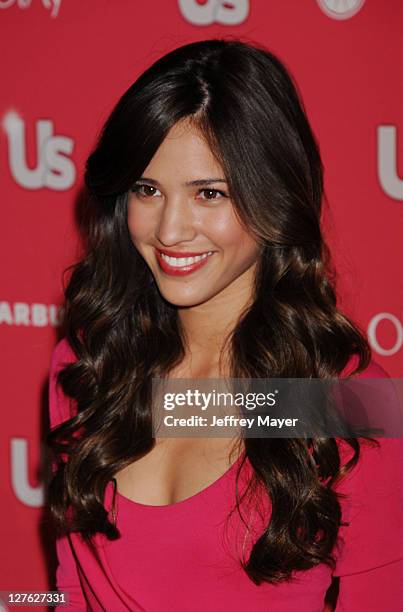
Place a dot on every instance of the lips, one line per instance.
(182, 270)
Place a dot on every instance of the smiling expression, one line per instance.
(183, 223)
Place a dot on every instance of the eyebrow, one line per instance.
(206, 181)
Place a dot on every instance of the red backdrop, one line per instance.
(65, 63)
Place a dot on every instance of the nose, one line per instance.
(176, 222)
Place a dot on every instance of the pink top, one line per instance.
(180, 557)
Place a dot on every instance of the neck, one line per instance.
(208, 325)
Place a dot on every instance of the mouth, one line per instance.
(181, 264)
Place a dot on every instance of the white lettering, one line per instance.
(214, 11)
(270, 422)
(343, 9)
(35, 315)
(31, 496)
(388, 177)
(53, 169)
(51, 5)
(373, 335)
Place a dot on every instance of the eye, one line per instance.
(213, 191)
(143, 189)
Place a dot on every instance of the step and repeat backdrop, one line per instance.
(64, 65)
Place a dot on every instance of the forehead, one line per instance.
(184, 154)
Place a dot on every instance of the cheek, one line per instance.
(138, 223)
(223, 229)
(229, 234)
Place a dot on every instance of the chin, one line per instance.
(182, 301)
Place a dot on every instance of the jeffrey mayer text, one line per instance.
(266, 421)
(227, 421)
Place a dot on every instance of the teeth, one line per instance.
(181, 262)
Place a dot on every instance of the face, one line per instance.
(183, 223)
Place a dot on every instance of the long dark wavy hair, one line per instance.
(123, 333)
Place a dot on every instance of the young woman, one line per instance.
(205, 259)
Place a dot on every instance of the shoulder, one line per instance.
(62, 354)
(379, 467)
(387, 450)
(377, 398)
(373, 370)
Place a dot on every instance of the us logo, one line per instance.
(214, 11)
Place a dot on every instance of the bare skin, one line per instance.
(168, 214)
(178, 468)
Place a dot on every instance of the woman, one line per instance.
(209, 156)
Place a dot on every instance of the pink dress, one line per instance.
(185, 556)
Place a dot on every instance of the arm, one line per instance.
(67, 578)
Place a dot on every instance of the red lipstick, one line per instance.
(182, 270)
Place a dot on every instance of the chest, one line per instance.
(176, 469)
